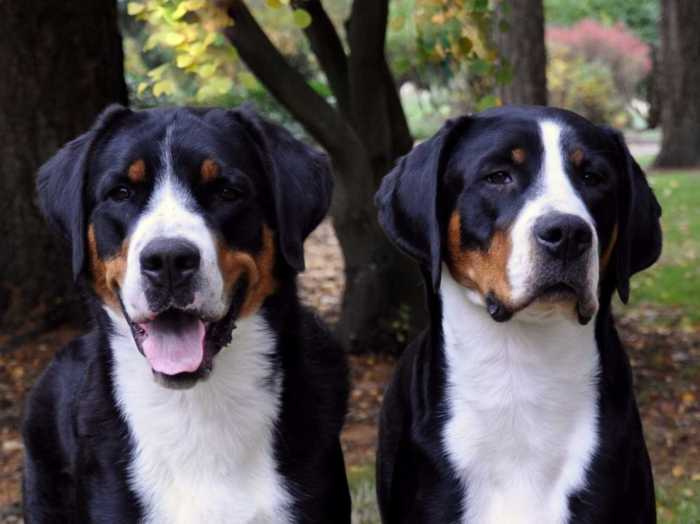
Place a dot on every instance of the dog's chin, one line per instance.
(180, 345)
(547, 303)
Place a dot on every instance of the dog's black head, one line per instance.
(183, 220)
(524, 206)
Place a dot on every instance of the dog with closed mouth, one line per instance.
(516, 404)
(205, 392)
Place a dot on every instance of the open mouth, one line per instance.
(180, 345)
(173, 342)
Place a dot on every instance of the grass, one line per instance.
(675, 280)
(362, 489)
(678, 503)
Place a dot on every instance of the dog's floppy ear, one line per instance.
(300, 180)
(639, 227)
(61, 182)
(407, 200)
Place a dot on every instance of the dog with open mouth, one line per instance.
(516, 404)
(205, 391)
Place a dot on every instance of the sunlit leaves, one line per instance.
(134, 8)
(302, 18)
(187, 34)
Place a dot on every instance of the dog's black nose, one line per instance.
(565, 237)
(169, 262)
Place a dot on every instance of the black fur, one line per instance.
(78, 445)
(415, 482)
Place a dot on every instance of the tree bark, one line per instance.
(364, 135)
(62, 63)
(680, 78)
(522, 44)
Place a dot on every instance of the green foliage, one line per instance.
(177, 54)
(584, 87)
(435, 42)
(641, 16)
(679, 503)
(362, 491)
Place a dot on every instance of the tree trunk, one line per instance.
(384, 299)
(62, 63)
(364, 134)
(680, 74)
(521, 42)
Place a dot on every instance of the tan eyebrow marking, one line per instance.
(209, 170)
(577, 157)
(137, 171)
(518, 154)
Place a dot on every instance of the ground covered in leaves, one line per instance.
(663, 347)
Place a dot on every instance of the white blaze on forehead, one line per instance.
(552, 191)
(171, 213)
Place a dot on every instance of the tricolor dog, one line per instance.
(205, 393)
(516, 405)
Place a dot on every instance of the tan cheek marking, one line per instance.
(258, 269)
(209, 170)
(137, 171)
(107, 275)
(605, 257)
(518, 154)
(482, 271)
(577, 157)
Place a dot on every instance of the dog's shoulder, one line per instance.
(50, 409)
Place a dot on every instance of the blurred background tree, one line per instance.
(680, 69)
(327, 68)
(62, 64)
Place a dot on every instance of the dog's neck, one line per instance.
(551, 340)
(521, 398)
(196, 447)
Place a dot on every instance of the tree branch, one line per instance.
(368, 97)
(402, 140)
(326, 45)
(286, 84)
(378, 115)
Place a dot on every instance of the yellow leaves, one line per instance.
(438, 18)
(688, 398)
(302, 18)
(135, 8)
(186, 7)
(215, 87)
(678, 471)
(157, 72)
(207, 70)
(164, 87)
(184, 61)
(172, 39)
(248, 81)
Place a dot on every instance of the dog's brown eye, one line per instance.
(499, 178)
(591, 178)
(229, 193)
(119, 194)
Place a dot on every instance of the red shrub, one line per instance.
(627, 56)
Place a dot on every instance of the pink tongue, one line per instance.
(174, 349)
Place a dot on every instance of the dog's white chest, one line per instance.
(522, 426)
(206, 454)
